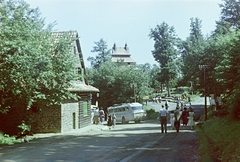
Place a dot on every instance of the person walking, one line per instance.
(190, 118)
(172, 119)
(109, 122)
(96, 116)
(163, 117)
(177, 116)
(166, 104)
(101, 114)
(160, 99)
(185, 117)
(114, 118)
(178, 104)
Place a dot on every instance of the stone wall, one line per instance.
(48, 120)
(69, 115)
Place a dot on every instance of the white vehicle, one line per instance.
(128, 112)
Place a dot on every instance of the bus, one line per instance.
(128, 112)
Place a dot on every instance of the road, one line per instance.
(126, 142)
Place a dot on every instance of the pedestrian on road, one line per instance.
(177, 116)
(114, 118)
(96, 116)
(185, 117)
(109, 122)
(163, 117)
(178, 103)
(160, 99)
(190, 118)
(166, 104)
(101, 114)
(181, 104)
(172, 119)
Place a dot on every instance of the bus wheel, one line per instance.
(123, 120)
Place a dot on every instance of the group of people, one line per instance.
(99, 116)
(157, 99)
(176, 116)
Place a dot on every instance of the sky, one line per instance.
(126, 21)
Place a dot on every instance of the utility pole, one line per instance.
(204, 68)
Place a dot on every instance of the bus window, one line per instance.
(126, 108)
(111, 111)
(123, 109)
(137, 108)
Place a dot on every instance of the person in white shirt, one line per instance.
(163, 117)
(96, 116)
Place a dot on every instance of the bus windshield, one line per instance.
(137, 108)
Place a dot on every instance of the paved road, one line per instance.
(125, 143)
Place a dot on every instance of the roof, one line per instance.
(125, 59)
(120, 50)
(78, 86)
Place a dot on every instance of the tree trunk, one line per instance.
(169, 93)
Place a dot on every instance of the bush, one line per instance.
(151, 114)
(6, 139)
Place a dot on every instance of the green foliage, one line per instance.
(25, 128)
(102, 56)
(164, 51)
(223, 134)
(192, 51)
(152, 114)
(204, 148)
(231, 12)
(114, 82)
(36, 66)
(6, 139)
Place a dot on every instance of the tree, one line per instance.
(192, 50)
(114, 82)
(231, 12)
(102, 56)
(164, 51)
(36, 67)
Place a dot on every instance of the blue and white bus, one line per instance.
(128, 112)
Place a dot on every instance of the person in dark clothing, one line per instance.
(177, 116)
(109, 122)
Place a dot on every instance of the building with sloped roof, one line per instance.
(71, 114)
(120, 54)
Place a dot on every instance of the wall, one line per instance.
(47, 120)
(69, 108)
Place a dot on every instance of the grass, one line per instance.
(219, 138)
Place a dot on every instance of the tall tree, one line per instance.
(34, 67)
(104, 54)
(164, 51)
(193, 51)
(231, 12)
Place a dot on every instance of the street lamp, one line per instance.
(204, 68)
(134, 85)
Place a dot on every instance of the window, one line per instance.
(85, 108)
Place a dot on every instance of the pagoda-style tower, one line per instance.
(121, 54)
